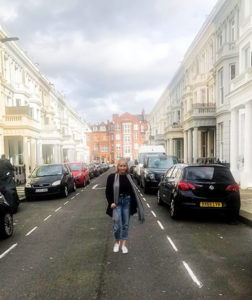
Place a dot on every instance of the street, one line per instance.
(62, 249)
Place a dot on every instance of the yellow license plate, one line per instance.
(210, 204)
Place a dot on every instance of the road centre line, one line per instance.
(160, 225)
(28, 233)
(144, 199)
(8, 250)
(58, 209)
(148, 205)
(94, 186)
(172, 244)
(194, 278)
(47, 217)
(141, 194)
(66, 203)
(153, 213)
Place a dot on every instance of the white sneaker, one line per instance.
(124, 250)
(116, 247)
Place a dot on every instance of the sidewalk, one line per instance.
(245, 211)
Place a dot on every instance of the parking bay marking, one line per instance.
(47, 217)
(171, 242)
(194, 278)
(66, 203)
(77, 194)
(153, 213)
(94, 186)
(28, 233)
(148, 205)
(8, 250)
(58, 209)
(160, 225)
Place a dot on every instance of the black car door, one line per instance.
(166, 185)
(68, 177)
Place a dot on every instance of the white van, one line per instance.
(146, 150)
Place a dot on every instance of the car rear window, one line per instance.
(216, 174)
(74, 167)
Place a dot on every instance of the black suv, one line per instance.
(200, 187)
(155, 166)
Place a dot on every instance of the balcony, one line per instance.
(201, 110)
(19, 117)
(242, 79)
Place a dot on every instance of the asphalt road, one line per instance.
(62, 249)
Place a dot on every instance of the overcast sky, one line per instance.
(107, 56)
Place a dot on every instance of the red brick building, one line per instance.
(121, 137)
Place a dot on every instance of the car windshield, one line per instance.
(75, 167)
(216, 174)
(160, 163)
(143, 155)
(47, 171)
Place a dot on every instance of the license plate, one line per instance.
(210, 204)
(41, 190)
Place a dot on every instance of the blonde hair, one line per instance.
(119, 162)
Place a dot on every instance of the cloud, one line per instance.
(106, 56)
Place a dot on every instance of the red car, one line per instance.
(80, 173)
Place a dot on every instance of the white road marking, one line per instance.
(194, 278)
(47, 218)
(144, 199)
(94, 186)
(148, 205)
(77, 194)
(66, 203)
(82, 190)
(101, 188)
(58, 209)
(28, 233)
(8, 250)
(171, 242)
(141, 194)
(160, 224)
(153, 213)
(72, 197)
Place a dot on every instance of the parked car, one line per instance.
(153, 168)
(50, 180)
(91, 171)
(199, 187)
(80, 173)
(6, 219)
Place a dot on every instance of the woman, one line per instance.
(123, 201)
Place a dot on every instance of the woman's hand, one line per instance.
(113, 205)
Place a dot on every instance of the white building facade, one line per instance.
(215, 105)
(36, 124)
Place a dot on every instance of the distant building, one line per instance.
(121, 137)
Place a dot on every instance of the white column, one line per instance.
(25, 155)
(171, 147)
(189, 146)
(1, 144)
(234, 143)
(195, 144)
(185, 147)
(247, 174)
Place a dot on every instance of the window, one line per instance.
(104, 137)
(95, 137)
(127, 128)
(117, 126)
(221, 87)
(142, 128)
(118, 147)
(220, 125)
(232, 30)
(246, 57)
(220, 39)
(136, 146)
(96, 148)
(118, 137)
(18, 102)
(203, 95)
(127, 149)
(127, 139)
(232, 71)
(104, 149)
(135, 126)
(135, 136)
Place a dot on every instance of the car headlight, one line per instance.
(151, 176)
(28, 184)
(57, 182)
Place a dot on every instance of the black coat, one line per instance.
(110, 196)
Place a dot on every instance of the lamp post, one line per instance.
(8, 39)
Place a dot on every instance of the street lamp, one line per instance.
(8, 39)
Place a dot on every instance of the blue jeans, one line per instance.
(121, 216)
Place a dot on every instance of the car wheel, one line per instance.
(173, 210)
(74, 187)
(65, 192)
(145, 188)
(6, 225)
(159, 201)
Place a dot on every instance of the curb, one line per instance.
(245, 217)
